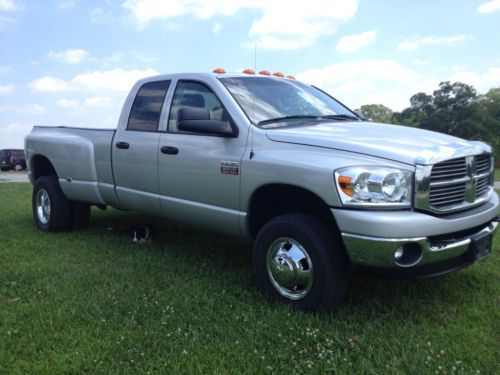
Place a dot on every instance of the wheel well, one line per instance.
(41, 166)
(277, 199)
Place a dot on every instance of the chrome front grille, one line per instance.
(449, 170)
(454, 184)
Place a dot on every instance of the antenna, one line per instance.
(253, 101)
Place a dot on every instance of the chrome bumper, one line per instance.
(382, 252)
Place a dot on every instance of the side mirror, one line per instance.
(197, 120)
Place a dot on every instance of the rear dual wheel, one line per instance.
(299, 260)
(52, 211)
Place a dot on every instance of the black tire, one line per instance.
(59, 217)
(325, 254)
(80, 215)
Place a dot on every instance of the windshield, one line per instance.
(4, 154)
(266, 99)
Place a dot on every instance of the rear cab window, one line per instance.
(146, 109)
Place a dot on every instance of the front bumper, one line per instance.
(373, 238)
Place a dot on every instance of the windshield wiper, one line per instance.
(341, 117)
(290, 117)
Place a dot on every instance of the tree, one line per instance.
(454, 108)
(377, 113)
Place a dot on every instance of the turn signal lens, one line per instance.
(219, 70)
(345, 185)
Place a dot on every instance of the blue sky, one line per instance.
(72, 62)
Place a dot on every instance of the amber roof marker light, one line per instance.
(265, 72)
(219, 70)
(290, 77)
(249, 71)
(279, 74)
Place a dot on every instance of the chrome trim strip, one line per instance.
(380, 252)
(455, 150)
(450, 182)
(467, 241)
(409, 239)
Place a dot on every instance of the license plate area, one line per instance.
(480, 246)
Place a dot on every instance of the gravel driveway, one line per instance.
(13, 177)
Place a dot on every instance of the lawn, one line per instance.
(94, 302)
(497, 174)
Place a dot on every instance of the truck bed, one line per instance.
(81, 158)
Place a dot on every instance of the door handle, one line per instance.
(122, 145)
(169, 150)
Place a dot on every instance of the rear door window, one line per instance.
(146, 109)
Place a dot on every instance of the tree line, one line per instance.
(454, 108)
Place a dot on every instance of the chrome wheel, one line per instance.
(18, 167)
(43, 206)
(290, 268)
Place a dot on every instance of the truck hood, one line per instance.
(400, 143)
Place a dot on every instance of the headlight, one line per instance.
(374, 186)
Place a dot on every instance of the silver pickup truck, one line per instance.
(320, 191)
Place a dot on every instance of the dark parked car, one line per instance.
(11, 159)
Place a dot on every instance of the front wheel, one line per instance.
(51, 208)
(18, 167)
(299, 260)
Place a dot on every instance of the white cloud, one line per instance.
(353, 43)
(111, 80)
(99, 102)
(26, 109)
(216, 28)
(66, 5)
(449, 41)
(12, 135)
(115, 80)
(489, 6)
(5, 89)
(4, 69)
(70, 56)
(99, 15)
(481, 81)
(145, 11)
(370, 81)
(33, 109)
(6, 22)
(67, 103)
(49, 84)
(8, 5)
(366, 81)
(284, 24)
(297, 24)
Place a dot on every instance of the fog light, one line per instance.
(408, 255)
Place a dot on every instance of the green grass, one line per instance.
(497, 174)
(94, 302)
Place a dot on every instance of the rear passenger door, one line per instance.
(135, 150)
